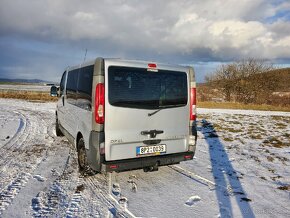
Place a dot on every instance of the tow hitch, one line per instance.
(151, 168)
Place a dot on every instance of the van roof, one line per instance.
(134, 63)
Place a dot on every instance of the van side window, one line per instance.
(84, 87)
(71, 86)
(85, 80)
(62, 82)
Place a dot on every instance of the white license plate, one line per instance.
(153, 149)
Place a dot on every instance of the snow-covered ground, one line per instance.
(241, 169)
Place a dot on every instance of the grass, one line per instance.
(255, 136)
(27, 95)
(281, 125)
(275, 142)
(227, 139)
(234, 105)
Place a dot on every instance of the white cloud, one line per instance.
(236, 33)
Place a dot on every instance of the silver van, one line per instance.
(122, 114)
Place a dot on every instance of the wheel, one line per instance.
(57, 129)
(84, 167)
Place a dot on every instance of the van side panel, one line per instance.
(78, 103)
(69, 103)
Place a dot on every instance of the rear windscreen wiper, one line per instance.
(164, 107)
(150, 114)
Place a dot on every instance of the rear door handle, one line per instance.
(152, 133)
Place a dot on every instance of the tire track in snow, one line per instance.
(65, 197)
(25, 137)
(15, 147)
(193, 176)
(73, 207)
(45, 203)
(80, 204)
(122, 202)
(19, 136)
(57, 198)
(103, 193)
(19, 131)
(211, 185)
(7, 195)
(22, 155)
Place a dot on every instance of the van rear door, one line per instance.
(146, 112)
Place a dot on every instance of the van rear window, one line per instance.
(139, 88)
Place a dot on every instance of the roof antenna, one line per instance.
(84, 60)
(85, 55)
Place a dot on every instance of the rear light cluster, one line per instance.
(100, 103)
(192, 104)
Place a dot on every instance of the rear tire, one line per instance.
(84, 167)
(57, 129)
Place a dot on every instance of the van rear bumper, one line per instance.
(142, 162)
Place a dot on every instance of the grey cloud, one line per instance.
(166, 30)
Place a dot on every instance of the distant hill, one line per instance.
(24, 81)
(279, 94)
(283, 77)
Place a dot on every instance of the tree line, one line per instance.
(245, 81)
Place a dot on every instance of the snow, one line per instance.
(192, 200)
(241, 169)
(241, 112)
(39, 178)
(10, 124)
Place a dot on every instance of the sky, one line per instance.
(40, 38)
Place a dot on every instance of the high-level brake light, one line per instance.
(152, 65)
(100, 103)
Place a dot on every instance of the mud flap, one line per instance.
(93, 153)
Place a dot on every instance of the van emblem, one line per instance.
(115, 141)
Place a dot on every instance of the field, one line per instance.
(30, 92)
(41, 93)
(241, 169)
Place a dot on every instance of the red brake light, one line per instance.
(100, 103)
(152, 65)
(193, 104)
